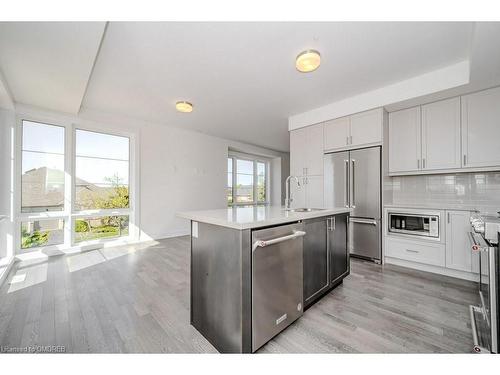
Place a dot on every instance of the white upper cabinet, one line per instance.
(358, 130)
(306, 151)
(337, 133)
(366, 127)
(458, 251)
(481, 129)
(404, 140)
(441, 135)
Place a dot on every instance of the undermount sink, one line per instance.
(303, 209)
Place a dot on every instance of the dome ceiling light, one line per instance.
(184, 107)
(308, 61)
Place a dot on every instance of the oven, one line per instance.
(414, 224)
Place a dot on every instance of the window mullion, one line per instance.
(255, 181)
(234, 180)
(68, 185)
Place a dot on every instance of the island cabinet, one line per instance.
(253, 268)
(326, 256)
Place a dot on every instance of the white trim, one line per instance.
(5, 267)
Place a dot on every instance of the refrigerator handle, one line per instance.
(346, 185)
(353, 200)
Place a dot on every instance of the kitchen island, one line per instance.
(255, 269)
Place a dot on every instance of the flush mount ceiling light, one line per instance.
(184, 107)
(308, 61)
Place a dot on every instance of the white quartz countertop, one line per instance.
(255, 217)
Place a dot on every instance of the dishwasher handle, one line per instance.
(262, 243)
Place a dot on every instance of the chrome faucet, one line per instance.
(288, 198)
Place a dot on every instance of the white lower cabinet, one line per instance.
(453, 255)
(416, 251)
(458, 251)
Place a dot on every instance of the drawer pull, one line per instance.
(413, 251)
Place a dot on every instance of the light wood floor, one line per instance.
(136, 299)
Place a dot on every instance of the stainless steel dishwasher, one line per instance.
(277, 285)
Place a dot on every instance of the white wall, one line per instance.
(179, 169)
(6, 123)
(429, 83)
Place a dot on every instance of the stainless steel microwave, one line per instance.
(414, 224)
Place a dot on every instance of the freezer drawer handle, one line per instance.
(346, 185)
(363, 221)
(273, 241)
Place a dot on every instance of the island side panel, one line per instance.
(220, 286)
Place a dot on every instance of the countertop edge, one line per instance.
(296, 216)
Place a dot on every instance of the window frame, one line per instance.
(255, 159)
(69, 214)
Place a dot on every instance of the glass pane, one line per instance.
(43, 138)
(42, 168)
(94, 228)
(244, 167)
(261, 182)
(229, 191)
(101, 145)
(42, 233)
(101, 182)
(244, 188)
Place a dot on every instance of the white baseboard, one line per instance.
(5, 268)
(164, 236)
(433, 269)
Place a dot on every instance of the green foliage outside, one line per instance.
(110, 226)
(35, 239)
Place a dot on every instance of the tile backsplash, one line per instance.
(480, 190)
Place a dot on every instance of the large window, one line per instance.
(42, 164)
(247, 180)
(95, 207)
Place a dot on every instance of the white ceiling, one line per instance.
(240, 77)
(48, 64)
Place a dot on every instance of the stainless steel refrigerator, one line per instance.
(353, 179)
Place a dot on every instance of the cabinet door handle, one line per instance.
(333, 223)
(346, 140)
(448, 218)
(350, 139)
(418, 163)
(412, 251)
(465, 159)
(423, 163)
